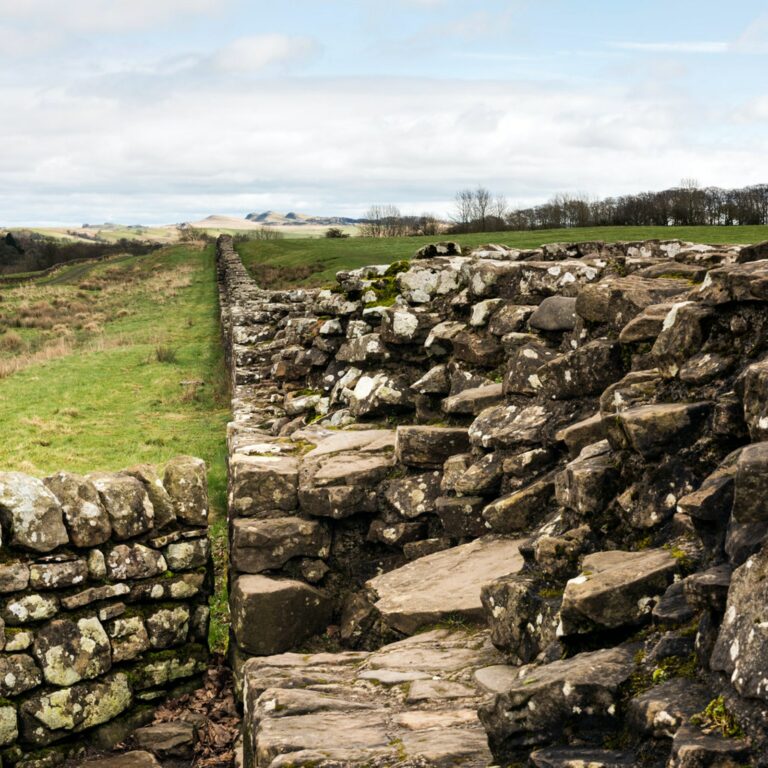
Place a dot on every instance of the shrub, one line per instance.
(11, 341)
(165, 354)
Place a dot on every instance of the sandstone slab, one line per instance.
(445, 584)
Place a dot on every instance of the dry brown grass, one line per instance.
(11, 341)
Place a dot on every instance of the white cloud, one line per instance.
(675, 47)
(93, 15)
(754, 39)
(337, 145)
(257, 52)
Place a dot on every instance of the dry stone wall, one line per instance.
(558, 453)
(104, 585)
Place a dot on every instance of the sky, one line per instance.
(162, 111)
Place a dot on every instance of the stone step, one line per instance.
(445, 585)
(412, 703)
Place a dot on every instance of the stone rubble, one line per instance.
(559, 451)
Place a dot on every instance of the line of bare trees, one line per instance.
(685, 205)
(387, 221)
(479, 210)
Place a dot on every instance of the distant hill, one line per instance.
(293, 219)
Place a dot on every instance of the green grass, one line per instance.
(328, 256)
(111, 403)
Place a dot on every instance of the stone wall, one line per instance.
(562, 448)
(104, 584)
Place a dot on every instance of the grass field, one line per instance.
(91, 370)
(310, 262)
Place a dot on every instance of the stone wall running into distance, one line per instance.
(503, 507)
(104, 586)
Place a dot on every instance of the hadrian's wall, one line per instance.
(104, 585)
(506, 505)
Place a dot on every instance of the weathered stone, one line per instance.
(483, 477)
(461, 516)
(17, 639)
(615, 589)
(186, 481)
(662, 710)
(337, 501)
(179, 587)
(97, 564)
(379, 394)
(693, 749)
(652, 429)
(261, 545)
(128, 506)
(30, 514)
(557, 556)
(635, 389)
(713, 500)
(530, 281)
(750, 501)
(587, 370)
(682, 335)
(176, 739)
(134, 561)
(368, 348)
(264, 486)
(708, 590)
(412, 496)
(9, 729)
(70, 651)
(429, 447)
(517, 512)
(509, 426)
(647, 325)
(273, 615)
(574, 699)
(162, 503)
(18, 673)
(160, 672)
(434, 382)
(93, 595)
(556, 313)
(417, 549)
(14, 577)
(483, 311)
(735, 282)
(581, 757)
(523, 362)
(581, 434)
(477, 348)
(445, 584)
(58, 575)
(168, 626)
(672, 607)
(473, 401)
(588, 483)
(135, 759)
(617, 300)
(394, 534)
(86, 519)
(511, 318)
(48, 717)
(185, 555)
(522, 622)
(27, 608)
(754, 387)
(742, 643)
(128, 638)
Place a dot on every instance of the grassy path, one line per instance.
(111, 402)
(277, 263)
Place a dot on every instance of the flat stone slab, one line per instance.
(138, 759)
(412, 703)
(444, 585)
(615, 589)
